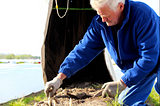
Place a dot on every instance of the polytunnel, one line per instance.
(65, 26)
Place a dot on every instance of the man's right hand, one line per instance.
(55, 84)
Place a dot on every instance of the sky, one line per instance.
(22, 25)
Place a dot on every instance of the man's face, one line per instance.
(109, 16)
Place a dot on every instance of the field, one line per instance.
(77, 94)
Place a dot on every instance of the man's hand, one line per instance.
(55, 84)
(111, 88)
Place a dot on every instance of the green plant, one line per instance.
(97, 85)
(115, 101)
(153, 99)
(26, 101)
(20, 62)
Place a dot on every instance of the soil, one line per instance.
(77, 94)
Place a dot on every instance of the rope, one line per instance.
(58, 11)
(67, 9)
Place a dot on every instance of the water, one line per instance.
(18, 80)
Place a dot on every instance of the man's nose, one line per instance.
(104, 19)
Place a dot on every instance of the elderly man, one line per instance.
(130, 32)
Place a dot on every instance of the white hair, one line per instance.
(111, 3)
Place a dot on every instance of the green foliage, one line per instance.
(19, 102)
(2, 56)
(115, 101)
(26, 101)
(20, 62)
(154, 98)
(10, 56)
(13, 56)
(97, 85)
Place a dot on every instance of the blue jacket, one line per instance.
(138, 44)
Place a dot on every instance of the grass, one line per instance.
(26, 101)
(115, 101)
(153, 100)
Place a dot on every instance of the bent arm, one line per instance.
(148, 48)
(83, 53)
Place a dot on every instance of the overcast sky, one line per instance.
(22, 24)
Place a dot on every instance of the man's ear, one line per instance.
(120, 6)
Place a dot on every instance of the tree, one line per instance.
(10, 56)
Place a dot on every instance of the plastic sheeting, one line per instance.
(60, 37)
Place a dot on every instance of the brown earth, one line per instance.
(77, 94)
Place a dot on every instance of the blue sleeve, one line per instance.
(83, 53)
(148, 48)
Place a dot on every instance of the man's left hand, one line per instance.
(113, 88)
